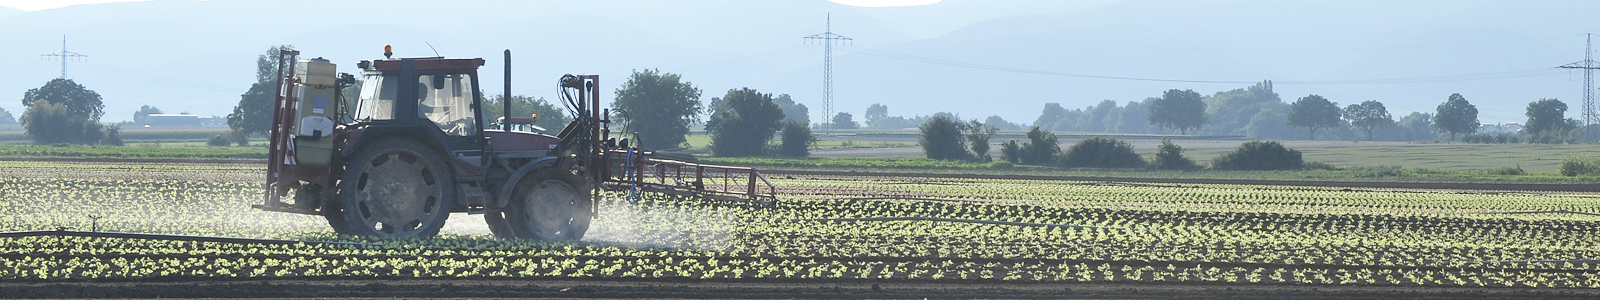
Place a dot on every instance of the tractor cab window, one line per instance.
(446, 99)
(378, 93)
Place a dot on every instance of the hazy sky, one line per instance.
(34, 5)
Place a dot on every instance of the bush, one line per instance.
(797, 140)
(1041, 148)
(1517, 170)
(1170, 157)
(1259, 155)
(943, 139)
(1102, 153)
(240, 138)
(1575, 165)
(219, 140)
(1011, 151)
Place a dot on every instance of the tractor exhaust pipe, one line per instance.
(506, 100)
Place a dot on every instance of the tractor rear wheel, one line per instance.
(395, 188)
(551, 205)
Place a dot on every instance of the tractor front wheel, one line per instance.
(551, 205)
(395, 188)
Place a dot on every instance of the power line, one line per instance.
(64, 55)
(1445, 78)
(827, 38)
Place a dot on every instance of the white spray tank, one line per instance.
(315, 114)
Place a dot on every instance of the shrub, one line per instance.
(1102, 153)
(1259, 155)
(219, 140)
(797, 140)
(1170, 157)
(240, 138)
(1517, 170)
(1011, 151)
(1575, 165)
(1002, 165)
(942, 138)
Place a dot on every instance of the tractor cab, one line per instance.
(517, 125)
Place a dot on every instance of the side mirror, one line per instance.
(438, 82)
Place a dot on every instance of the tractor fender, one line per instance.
(510, 185)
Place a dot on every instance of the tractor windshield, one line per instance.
(378, 93)
(447, 101)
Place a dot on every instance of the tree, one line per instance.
(50, 123)
(942, 138)
(793, 112)
(1417, 126)
(6, 119)
(1368, 116)
(552, 119)
(253, 114)
(1041, 148)
(875, 112)
(797, 140)
(1000, 123)
(844, 120)
(1456, 116)
(1546, 115)
(978, 135)
(1053, 113)
(1169, 156)
(77, 100)
(62, 111)
(659, 107)
(267, 63)
(144, 111)
(743, 123)
(1179, 110)
(1314, 112)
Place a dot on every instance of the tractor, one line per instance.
(412, 148)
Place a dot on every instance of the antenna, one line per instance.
(827, 38)
(1588, 66)
(435, 51)
(64, 55)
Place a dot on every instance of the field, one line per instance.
(902, 236)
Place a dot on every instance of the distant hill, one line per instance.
(7, 11)
(198, 56)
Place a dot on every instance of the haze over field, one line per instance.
(973, 57)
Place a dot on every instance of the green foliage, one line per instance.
(978, 135)
(1545, 116)
(1169, 156)
(1575, 165)
(219, 140)
(1370, 115)
(1259, 155)
(792, 111)
(6, 119)
(658, 107)
(875, 112)
(1231, 112)
(267, 64)
(253, 114)
(1456, 116)
(1314, 112)
(144, 111)
(74, 98)
(797, 140)
(49, 123)
(1102, 153)
(1270, 121)
(1417, 126)
(1181, 110)
(1496, 138)
(552, 119)
(1506, 171)
(743, 122)
(844, 120)
(942, 138)
(852, 163)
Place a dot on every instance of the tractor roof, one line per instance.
(423, 64)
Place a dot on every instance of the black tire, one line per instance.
(395, 188)
(550, 205)
(496, 219)
(335, 216)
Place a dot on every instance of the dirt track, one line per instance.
(462, 288)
